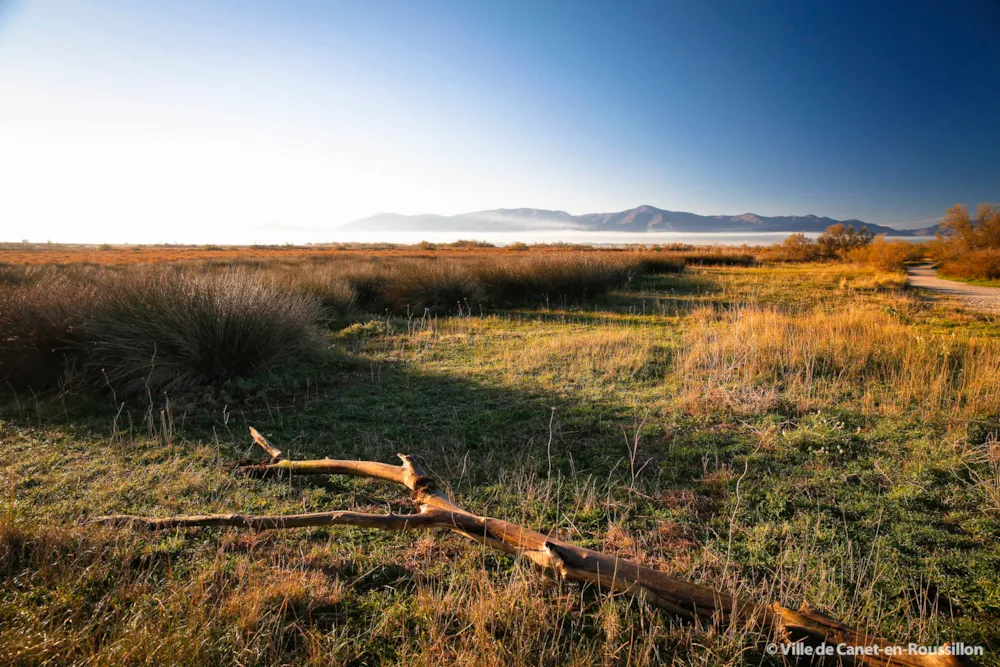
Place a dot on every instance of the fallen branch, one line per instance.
(271, 450)
(554, 556)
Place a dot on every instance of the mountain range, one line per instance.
(639, 219)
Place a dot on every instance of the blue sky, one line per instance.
(161, 120)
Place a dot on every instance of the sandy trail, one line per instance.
(986, 299)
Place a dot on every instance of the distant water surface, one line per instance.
(570, 236)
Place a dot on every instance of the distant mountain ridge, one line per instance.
(640, 219)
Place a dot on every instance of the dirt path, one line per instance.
(971, 296)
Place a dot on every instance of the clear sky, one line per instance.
(161, 121)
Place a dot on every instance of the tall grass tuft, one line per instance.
(453, 285)
(336, 295)
(172, 331)
(438, 287)
(554, 279)
(660, 263)
(41, 332)
(717, 257)
(151, 331)
(368, 284)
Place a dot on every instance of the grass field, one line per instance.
(791, 432)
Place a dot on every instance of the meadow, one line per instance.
(793, 432)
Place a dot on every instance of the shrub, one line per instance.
(795, 248)
(973, 265)
(886, 255)
(971, 247)
(966, 233)
(838, 240)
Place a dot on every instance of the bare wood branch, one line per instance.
(554, 556)
(430, 518)
(271, 450)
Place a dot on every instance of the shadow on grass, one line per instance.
(492, 444)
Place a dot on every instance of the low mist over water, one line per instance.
(552, 236)
(568, 236)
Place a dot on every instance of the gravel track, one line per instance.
(986, 299)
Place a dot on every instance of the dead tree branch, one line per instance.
(558, 558)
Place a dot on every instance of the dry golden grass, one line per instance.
(70, 254)
(64, 254)
(752, 359)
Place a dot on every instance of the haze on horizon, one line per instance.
(232, 121)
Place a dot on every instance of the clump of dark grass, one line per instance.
(41, 332)
(717, 258)
(150, 331)
(660, 263)
(16, 274)
(553, 278)
(170, 332)
(453, 285)
(438, 287)
(368, 284)
(336, 296)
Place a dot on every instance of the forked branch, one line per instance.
(554, 556)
